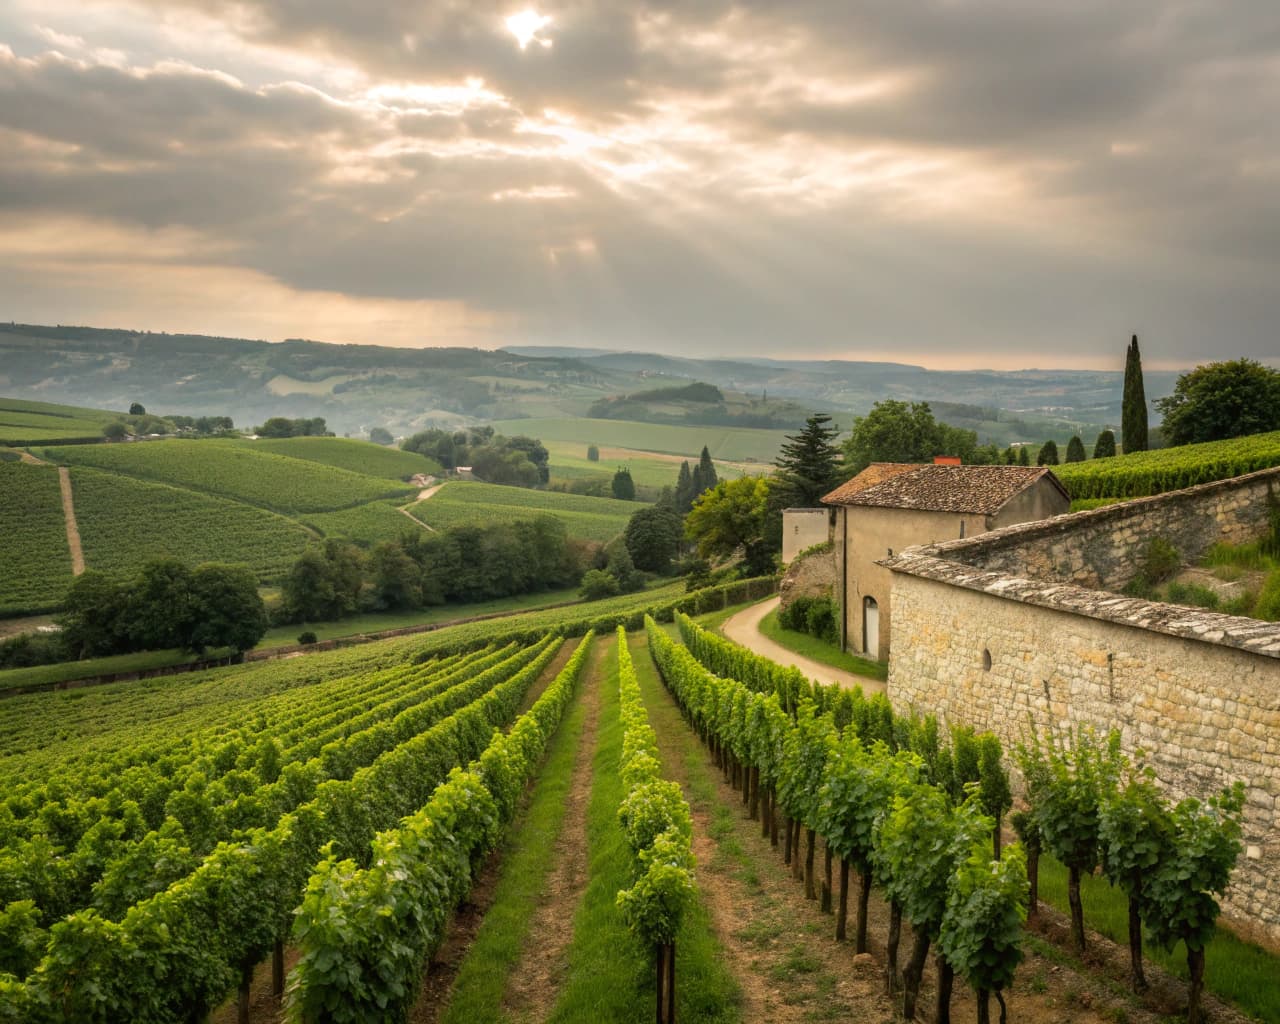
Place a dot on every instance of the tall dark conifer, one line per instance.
(1133, 410)
(706, 473)
(684, 490)
(807, 463)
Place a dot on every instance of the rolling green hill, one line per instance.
(232, 469)
(23, 422)
(474, 504)
(125, 521)
(734, 444)
(347, 453)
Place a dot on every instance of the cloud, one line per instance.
(1023, 182)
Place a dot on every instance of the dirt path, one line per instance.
(744, 628)
(423, 495)
(533, 983)
(30, 459)
(69, 513)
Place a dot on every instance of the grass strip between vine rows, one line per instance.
(365, 934)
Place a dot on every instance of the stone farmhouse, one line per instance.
(892, 506)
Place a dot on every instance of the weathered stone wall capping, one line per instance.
(1101, 548)
(1210, 627)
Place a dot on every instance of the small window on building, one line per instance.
(986, 659)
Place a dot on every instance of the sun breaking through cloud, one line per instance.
(526, 25)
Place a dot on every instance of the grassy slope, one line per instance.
(124, 521)
(44, 421)
(350, 454)
(365, 524)
(820, 650)
(569, 462)
(35, 563)
(470, 504)
(230, 469)
(1235, 970)
(736, 444)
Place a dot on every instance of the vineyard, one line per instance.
(232, 469)
(475, 504)
(1168, 469)
(733, 444)
(362, 457)
(676, 823)
(366, 524)
(124, 521)
(35, 563)
(23, 422)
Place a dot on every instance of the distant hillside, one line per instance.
(358, 387)
(703, 404)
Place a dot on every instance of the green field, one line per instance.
(569, 462)
(365, 524)
(23, 422)
(347, 453)
(476, 504)
(231, 469)
(1169, 469)
(733, 444)
(123, 522)
(35, 563)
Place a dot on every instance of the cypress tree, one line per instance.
(684, 489)
(1105, 446)
(1133, 410)
(1075, 449)
(1048, 454)
(1024, 456)
(706, 477)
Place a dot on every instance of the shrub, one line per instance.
(306, 637)
(816, 616)
(597, 584)
(1268, 606)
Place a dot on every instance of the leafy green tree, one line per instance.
(1105, 446)
(225, 608)
(653, 537)
(808, 463)
(623, 487)
(1048, 455)
(94, 615)
(1066, 786)
(1222, 400)
(731, 518)
(980, 935)
(593, 453)
(620, 566)
(1075, 449)
(116, 431)
(1024, 456)
(324, 582)
(894, 431)
(159, 606)
(597, 584)
(1181, 896)
(137, 409)
(396, 578)
(1133, 408)
(1135, 833)
(381, 435)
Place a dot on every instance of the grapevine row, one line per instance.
(175, 955)
(658, 825)
(364, 934)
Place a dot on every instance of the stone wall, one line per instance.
(1197, 690)
(1102, 548)
(814, 574)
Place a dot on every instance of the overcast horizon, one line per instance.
(949, 184)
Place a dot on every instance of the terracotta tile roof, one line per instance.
(978, 490)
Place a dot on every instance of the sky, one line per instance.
(956, 183)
